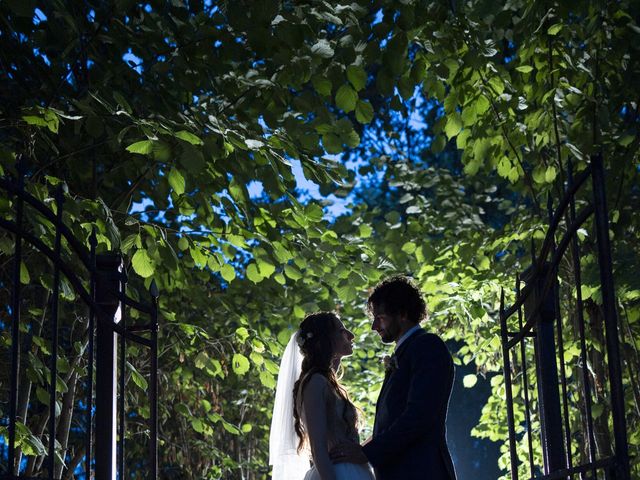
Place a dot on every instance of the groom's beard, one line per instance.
(391, 333)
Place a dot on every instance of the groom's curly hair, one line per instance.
(399, 295)
(316, 344)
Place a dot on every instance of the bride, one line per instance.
(312, 412)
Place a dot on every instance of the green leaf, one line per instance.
(483, 263)
(352, 139)
(230, 428)
(346, 98)
(228, 272)
(240, 364)
(176, 180)
(469, 115)
(282, 254)
(137, 378)
(265, 268)
(524, 68)
(34, 120)
(395, 54)
(322, 49)
(554, 29)
(406, 87)
(454, 125)
(42, 395)
(550, 174)
(142, 264)
(192, 159)
(298, 312)
(313, 212)
(24, 274)
(189, 137)
(247, 427)
(267, 379)
(384, 82)
(253, 274)
(461, 139)
(183, 409)
(122, 102)
(329, 236)
(357, 76)
(242, 334)
(197, 425)
(469, 380)
(322, 85)
(409, 248)
(183, 243)
(128, 243)
(238, 191)
(364, 111)
(365, 230)
(201, 360)
(482, 105)
(292, 272)
(626, 140)
(597, 410)
(47, 118)
(256, 358)
(331, 143)
(481, 148)
(143, 147)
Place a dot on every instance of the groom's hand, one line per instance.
(347, 453)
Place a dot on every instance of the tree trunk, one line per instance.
(33, 463)
(64, 422)
(24, 393)
(75, 461)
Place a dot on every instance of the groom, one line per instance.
(409, 433)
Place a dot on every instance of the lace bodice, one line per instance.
(340, 419)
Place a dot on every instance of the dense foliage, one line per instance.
(173, 127)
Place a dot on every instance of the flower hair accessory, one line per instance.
(302, 337)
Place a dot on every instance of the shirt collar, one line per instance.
(406, 335)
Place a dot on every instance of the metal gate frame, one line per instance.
(541, 302)
(107, 302)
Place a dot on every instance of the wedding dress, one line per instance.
(338, 431)
(287, 462)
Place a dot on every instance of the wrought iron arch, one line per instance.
(543, 325)
(101, 288)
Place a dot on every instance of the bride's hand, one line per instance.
(347, 453)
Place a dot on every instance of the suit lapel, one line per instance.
(397, 354)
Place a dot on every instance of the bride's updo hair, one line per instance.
(316, 341)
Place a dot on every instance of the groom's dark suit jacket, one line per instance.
(409, 434)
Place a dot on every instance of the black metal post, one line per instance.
(53, 356)
(93, 242)
(108, 273)
(508, 390)
(15, 326)
(121, 387)
(153, 394)
(547, 371)
(610, 319)
(525, 385)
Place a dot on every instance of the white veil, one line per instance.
(283, 441)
